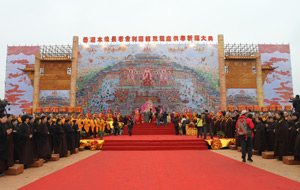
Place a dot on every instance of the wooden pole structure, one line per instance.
(74, 72)
(222, 76)
(36, 82)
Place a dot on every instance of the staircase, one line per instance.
(151, 142)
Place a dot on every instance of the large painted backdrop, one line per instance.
(278, 86)
(123, 77)
(18, 87)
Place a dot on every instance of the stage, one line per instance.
(153, 142)
(148, 136)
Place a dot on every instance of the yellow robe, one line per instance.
(80, 125)
(86, 125)
(92, 124)
(102, 125)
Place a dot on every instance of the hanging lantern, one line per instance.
(38, 110)
(249, 108)
(241, 107)
(78, 109)
(70, 109)
(256, 108)
(47, 109)
(29, 111)
(264, 109)
(63, 109)
(288, 108)
(55, 110)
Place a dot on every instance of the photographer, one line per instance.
(296, 103)
(3, 104)
(4, 146)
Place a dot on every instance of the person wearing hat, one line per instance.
(25, 142)
(60, 143)
(281, 136)
(270, 126)
(297, 139)
(229, 126)
(76, 132)
(10, 141)
(244, 127)
(4, 146)
(70, 136)
(44, 143)
(260, 140)
(293, 126)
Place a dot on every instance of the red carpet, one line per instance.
(161, 170)
(151, 129)
(152, 142)
(145, 137)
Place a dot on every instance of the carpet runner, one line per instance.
(147, 137)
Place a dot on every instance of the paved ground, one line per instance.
(270, 165)
(32, 174)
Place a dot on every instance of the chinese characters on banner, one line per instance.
(182, 38)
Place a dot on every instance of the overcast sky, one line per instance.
(50, 22)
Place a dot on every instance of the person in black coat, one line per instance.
(4, 146)
(76, 133)
(293, 126)
(150, 116)
(50, 126)
(34, 128)
(70, 136)
(10, 142)
(25, 142)
(60, 144)
(281, 136)
(270, 134)
(14, 129)
(260, 142)
(176, 125)
(116, 127)
(297, 139)
(130, 126)
(125, 120)
(296, 104)
(44, 143)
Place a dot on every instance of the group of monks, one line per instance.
(28, 139)
(278, 132)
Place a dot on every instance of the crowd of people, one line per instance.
(264, 131)
(278, 132)
(27, 138)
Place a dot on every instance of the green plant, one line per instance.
(101, 133)
(220, 134)
(82, 133)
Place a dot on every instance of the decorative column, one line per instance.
(36, 82)
(222, 76)
(259, 82)
(74, 72)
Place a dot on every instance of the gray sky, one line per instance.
(50, 22)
